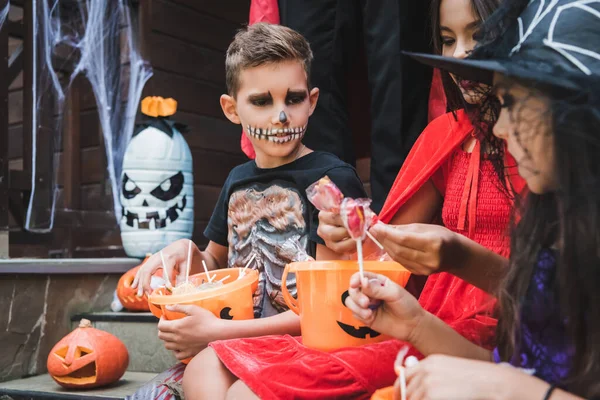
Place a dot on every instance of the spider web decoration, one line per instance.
(88, 34)
(576, 54)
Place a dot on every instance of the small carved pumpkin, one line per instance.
(87, 358)
(128, 296)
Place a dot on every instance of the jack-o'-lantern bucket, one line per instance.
(326, 323)
(232, 300)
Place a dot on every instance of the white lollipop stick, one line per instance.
(374, 240)
(166, 273)
(361, 266)
(402, 384)
(247, 265)
(222, 279)
(189, 260)
(210, 278)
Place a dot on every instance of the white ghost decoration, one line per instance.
(157, 189)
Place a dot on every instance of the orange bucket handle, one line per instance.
(289, 300)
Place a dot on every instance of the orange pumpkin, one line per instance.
(127, 295)
(87, 358)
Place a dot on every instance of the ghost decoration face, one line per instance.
(156, 189)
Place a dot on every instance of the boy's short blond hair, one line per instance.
(264, 43)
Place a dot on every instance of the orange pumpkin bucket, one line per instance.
(326, 323)
(233, 300)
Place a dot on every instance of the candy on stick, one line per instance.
(210, 278)
(292, 250)
(325, 195)
(400, 366)
(353, 216)
(243, 272)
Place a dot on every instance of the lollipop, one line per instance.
(399, 367)
(355, 220)
(292, 250)
(325, 195)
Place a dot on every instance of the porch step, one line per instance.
(139, 333)
(44, 387)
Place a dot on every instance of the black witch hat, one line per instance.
(552, 42)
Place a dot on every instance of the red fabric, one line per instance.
(279, 367)
(437, 96)
(260, 11)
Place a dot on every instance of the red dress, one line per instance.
(475, 205)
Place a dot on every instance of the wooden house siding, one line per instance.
(185, 42)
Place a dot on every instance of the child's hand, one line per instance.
(445, 377)
(399, 314)
(332, 231)
(175, 257)
(189, 335)
(422, 248)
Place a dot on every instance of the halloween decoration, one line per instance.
(226, 296)
(87, 358)
(326, 323)
(128, 296)
(156, 184)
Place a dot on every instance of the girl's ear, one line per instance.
(313, 97)
(228, 105)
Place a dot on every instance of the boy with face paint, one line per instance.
(262, 211)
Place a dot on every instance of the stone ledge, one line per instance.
(43, 387)
(121, 316)
(67, 265)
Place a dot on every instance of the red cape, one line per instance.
(436, 143)
(462, 306)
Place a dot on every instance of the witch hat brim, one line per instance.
(483, 70)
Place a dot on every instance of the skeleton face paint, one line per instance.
(282, 117)
(277, 135)
(156, 191)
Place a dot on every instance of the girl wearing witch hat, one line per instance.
(544, 60)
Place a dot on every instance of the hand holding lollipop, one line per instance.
(356, 222)
(325, 195)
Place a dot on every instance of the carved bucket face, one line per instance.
(361, 332)
(326, 323)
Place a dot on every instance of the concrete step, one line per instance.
(139, 333)
(44, 387)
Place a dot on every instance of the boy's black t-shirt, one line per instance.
(260, 210)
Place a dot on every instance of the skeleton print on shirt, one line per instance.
(267, 222)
